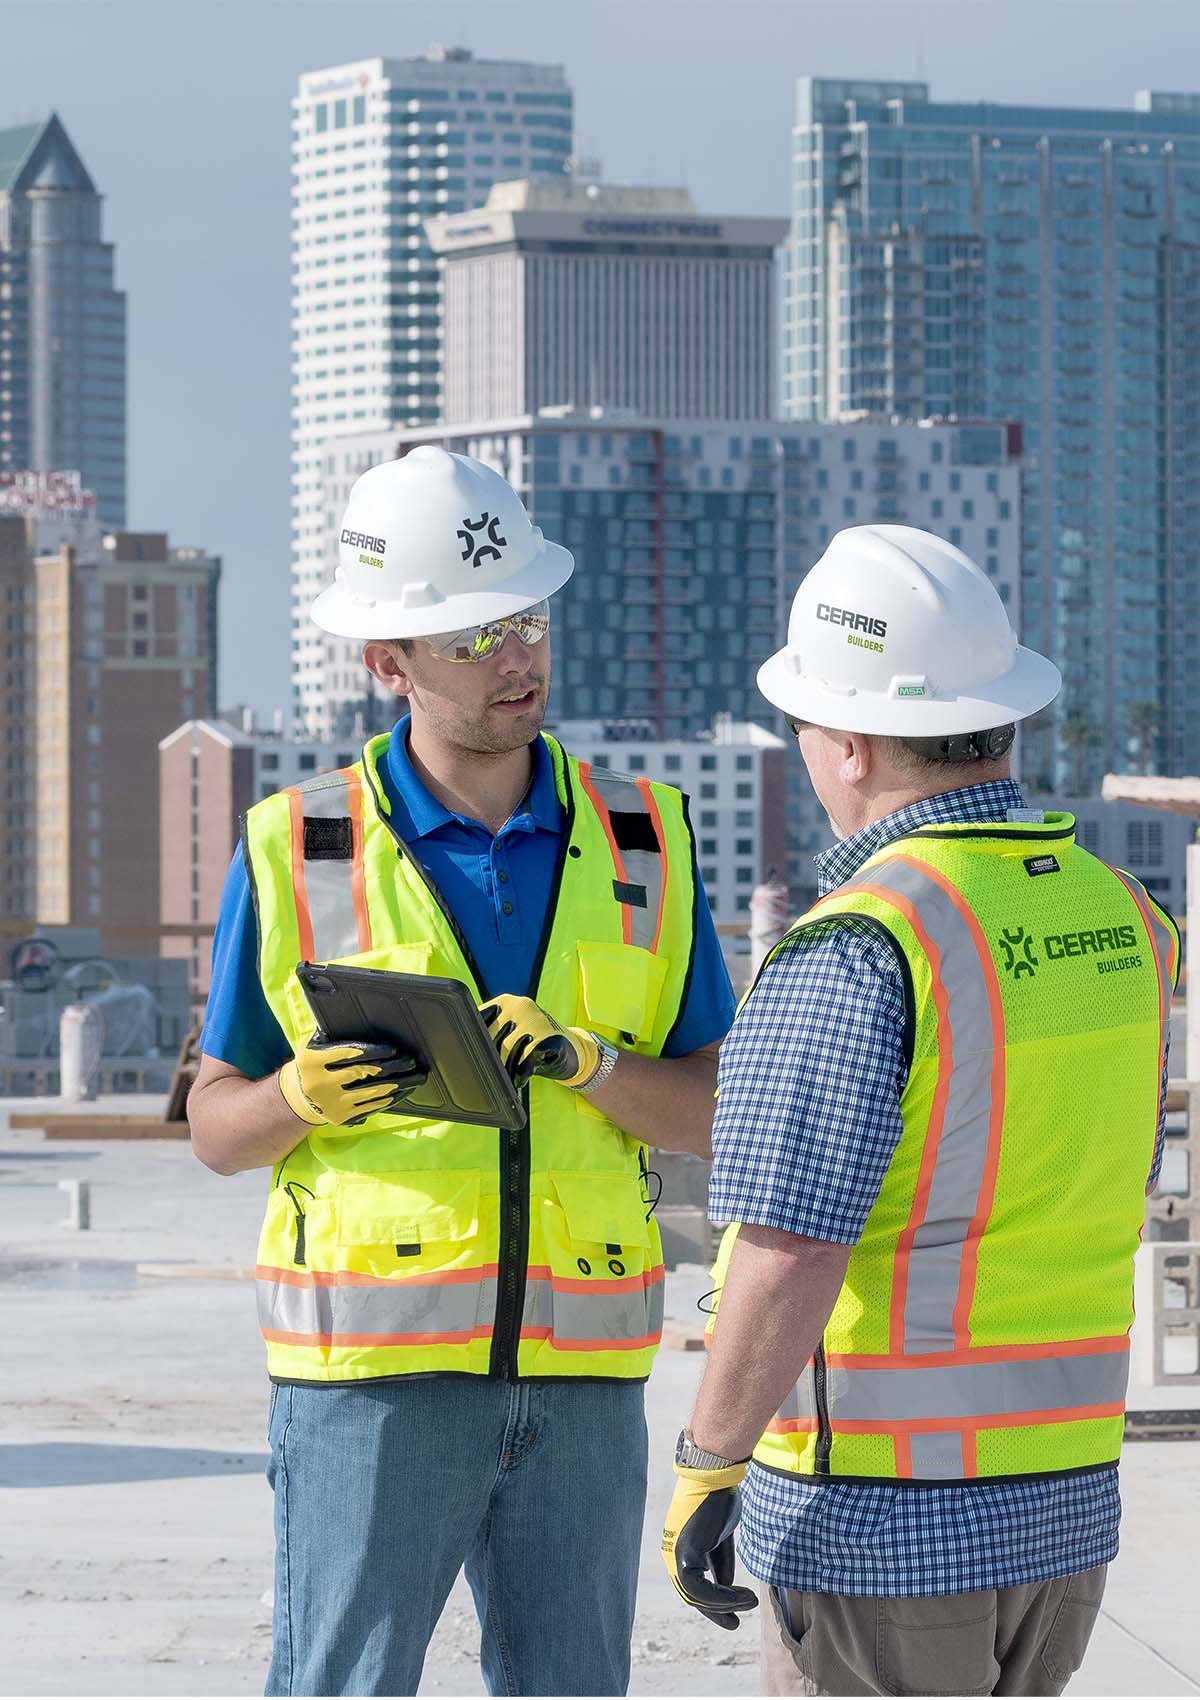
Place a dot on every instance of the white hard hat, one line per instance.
(896, 631)
(435, 542)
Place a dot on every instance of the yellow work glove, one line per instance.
(343, 1081)
(531, 1042)
(698, 1539)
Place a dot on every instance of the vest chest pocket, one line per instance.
(603, 1283)
(620, 986)
(421, 1230)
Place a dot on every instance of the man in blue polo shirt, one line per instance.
(531, 1477)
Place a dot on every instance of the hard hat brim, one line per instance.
(338, 612)
(1030, 683)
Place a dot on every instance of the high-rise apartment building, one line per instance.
(1038, 264)
(378, 147)
(591, 295)
(108, 644)
(62, 321)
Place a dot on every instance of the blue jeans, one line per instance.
(384, 1491)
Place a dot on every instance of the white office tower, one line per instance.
(378, 147)
(592, 295)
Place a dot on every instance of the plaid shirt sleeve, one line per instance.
(809, 1081)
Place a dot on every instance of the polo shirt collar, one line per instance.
(539, 809)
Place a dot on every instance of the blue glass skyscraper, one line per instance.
(1042, 265)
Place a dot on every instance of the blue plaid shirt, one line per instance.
(807, 1120)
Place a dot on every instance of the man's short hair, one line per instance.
(961, 753)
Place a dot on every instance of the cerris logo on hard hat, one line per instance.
(481, 539)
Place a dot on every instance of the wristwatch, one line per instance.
(602, 1070)
(693, 1457)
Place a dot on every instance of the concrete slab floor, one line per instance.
(132, 1445)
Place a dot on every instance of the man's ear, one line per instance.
(858, 758)
(387, 663)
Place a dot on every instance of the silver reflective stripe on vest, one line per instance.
(347, 1310)
(935, 1264)
(607, 1317)
(937, 1457)
(1014, 1387)
(801, 1403)
(335, 1312)
(645, 868)
(1162, 942)
(329, 884)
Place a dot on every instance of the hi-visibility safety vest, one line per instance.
(407, 1246)
(983, 1327)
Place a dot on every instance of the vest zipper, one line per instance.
(298, 1256)
(514, 1249)
(821, 1395)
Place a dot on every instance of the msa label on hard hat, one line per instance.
(910, 688)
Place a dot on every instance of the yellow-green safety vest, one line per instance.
(408, 1246)
(983, 1327)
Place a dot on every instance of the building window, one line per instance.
(745, 764)
(745, 876)
(708, 817)
(708, 790)
(744, 790)
(636, 761)
(708, 764)
(743, 818)
(671, 764)
(270, 761)
(708, 875)
(307, 762)
(708, 846)
(744, 847)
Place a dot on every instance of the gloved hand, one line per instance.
(531, 1042)
(698, 1538)
(343, 1081)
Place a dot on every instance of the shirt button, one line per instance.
(506, 908)
(502, 877)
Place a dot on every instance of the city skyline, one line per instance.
(204, 462)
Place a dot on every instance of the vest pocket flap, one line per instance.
(619, 987)
(420, 1209)
(607, 1209)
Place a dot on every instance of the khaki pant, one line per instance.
(1026, 1640)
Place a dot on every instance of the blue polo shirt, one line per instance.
(495, 887)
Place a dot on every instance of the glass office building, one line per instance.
(1040, 265)
(62, 322)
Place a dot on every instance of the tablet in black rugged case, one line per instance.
(430, 1016)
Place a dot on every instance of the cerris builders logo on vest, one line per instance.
(1104, 943)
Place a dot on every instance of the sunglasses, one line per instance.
(476, 643)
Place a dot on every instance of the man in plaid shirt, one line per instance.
(911, 1577)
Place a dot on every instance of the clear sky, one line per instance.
(180, 109)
